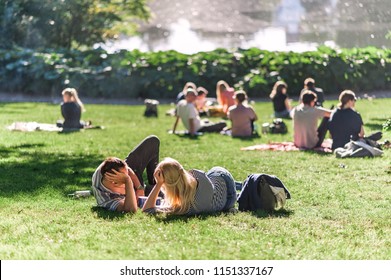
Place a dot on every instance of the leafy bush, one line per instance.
(387, 125)
(135, 74)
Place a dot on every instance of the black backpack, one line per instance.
(262, 192)
(151, 108)
(278, 127)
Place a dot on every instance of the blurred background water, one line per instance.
(191, 26)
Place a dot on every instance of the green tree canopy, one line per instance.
(67, 23)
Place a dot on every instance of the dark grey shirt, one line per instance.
(71, 113)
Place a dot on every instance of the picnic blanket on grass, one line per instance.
(35, 126)
(287, 147)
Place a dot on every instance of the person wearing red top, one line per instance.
(225, 95)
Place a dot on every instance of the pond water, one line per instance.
(190, 26)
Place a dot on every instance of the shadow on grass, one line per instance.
(197, 137)
(169, 218)
(188, 136)
(73, 130)
(375, 126)
(105, 214)
(319, 153)
(29, 169)
(8, 151)
(69, 131)
(283, 213)
(172, 218)
(379, 119)
(248, 138)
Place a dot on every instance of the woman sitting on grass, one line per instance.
(191, 192)
(281, 102)
(242, 116)
(224, 95)
(345, 123)
(71, 110)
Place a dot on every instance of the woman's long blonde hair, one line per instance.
(179, 186)
(72, 93)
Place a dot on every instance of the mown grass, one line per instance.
(340, 208)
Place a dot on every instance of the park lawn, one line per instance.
(340, 208)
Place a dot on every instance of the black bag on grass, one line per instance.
(278, 127)
(151, 108)
(262, 192)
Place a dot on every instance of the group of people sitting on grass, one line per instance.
(192, 104)
(344, 123)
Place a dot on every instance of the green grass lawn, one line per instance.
(340, 208)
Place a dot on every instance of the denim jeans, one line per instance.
(229, 182)
(284, 114)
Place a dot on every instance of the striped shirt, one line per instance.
(104, 197)
(210, 196)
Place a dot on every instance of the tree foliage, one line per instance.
(135, 74)
(66, 23)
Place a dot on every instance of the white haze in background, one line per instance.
(286, 19)
(274, 39)
(185, 40)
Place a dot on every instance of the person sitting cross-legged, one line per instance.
(345, 123)
(280, 99)
(71, 110)
(305, 121)
(242, 116)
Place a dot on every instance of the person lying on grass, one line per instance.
(116, 183)
(191, 192)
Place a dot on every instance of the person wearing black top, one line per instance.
(71, 109)
(345, 123)
(281, 102)
(309, 84)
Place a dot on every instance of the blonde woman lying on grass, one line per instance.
(191, 192)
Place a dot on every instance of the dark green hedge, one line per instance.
(133, 74)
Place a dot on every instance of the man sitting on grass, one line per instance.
(188, 113)
(305, 121)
